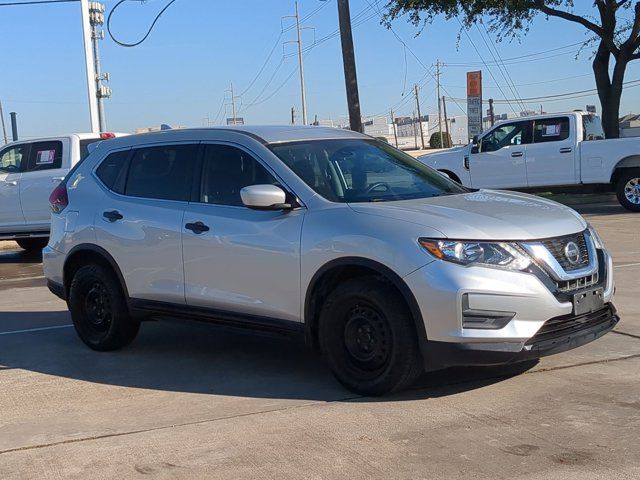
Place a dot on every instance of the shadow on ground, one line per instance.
(196, 358)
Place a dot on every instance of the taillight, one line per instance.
(105, 135)
(58, 200)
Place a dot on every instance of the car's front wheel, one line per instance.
(99, 310)
(368, 337)
(628, 189)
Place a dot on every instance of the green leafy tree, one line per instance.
(613, 25)
(434, 141)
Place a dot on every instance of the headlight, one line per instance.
(498, 254)
(596, 238)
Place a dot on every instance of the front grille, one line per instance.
(565, 286)
(556, 248)
(568, 325)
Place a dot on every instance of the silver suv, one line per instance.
(382, 264)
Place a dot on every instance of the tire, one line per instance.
(628, 189)
(99, 309)
(368, 337)
(32, 244)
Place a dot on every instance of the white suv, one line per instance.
(29, 170)
(382, 264)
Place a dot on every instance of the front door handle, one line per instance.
(566, 150)
(112, 216)
(517, 154)
(197, 227)
(11, 183)
(57, 179)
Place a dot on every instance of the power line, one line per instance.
(275, 45)
(134, 44)
(35, 2)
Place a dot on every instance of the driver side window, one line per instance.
(510, 134)
(12, 158)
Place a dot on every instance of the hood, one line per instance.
(483, 215)
(444, 153)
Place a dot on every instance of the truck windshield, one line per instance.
(356, 170)
(592, 128)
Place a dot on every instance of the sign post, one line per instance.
(474, 103)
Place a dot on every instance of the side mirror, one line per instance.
(264, 197)
(475, 149)
(476, 139)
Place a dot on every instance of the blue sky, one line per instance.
(178, 76)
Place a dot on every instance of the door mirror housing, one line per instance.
(264, 197)
(476, 139)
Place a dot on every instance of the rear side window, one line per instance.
(163, 172)
(113, 172)
(45, 156)
(551, 130)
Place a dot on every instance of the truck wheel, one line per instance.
(99, 310)
(368, 337)
(32, 244)
(628, 189)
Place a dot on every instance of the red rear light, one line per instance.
(58, 200)
(105, 135)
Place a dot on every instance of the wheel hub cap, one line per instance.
(367, 337)
(632, 191)
(97, 306)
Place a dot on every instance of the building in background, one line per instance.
(630, 125)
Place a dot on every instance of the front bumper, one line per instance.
(542, 319)
(572, 332)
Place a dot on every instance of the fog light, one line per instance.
(483, 319)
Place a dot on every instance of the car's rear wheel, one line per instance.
(99, 310)
(368, 337)
(32, 244)
(628, 189)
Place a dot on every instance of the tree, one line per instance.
(616, 36)
(434, 141)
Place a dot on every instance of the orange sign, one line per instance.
(474, 84)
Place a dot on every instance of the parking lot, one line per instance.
(192, 401)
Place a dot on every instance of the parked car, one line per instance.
(560, 153)
(29, 171)
(386, 271)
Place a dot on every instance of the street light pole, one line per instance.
(349, 62)
(90, 67)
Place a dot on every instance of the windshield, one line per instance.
(358, 170)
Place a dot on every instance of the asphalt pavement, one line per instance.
(194, 401)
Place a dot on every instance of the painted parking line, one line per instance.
(39, 329)
(637, 264)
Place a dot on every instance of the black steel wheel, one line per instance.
(368, 337)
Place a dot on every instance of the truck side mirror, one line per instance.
(476, 139)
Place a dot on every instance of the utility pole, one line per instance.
(234, 118)
(395, 133)
(89, 67)
(492, 116)
(14, 126)
(96, 19)
(419, 115)
(349, 62)
(439, 106)
(293, 115)
(4, 127)
(446, 121)
(299, 29)
(415, 130)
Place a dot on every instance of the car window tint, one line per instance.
(226, 170)
(12, 158)
(112, 171)
(511, 134)
(163, 172)
(551, 130)
(45, 156)
(84, 146)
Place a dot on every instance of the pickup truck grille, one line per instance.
(556, 247)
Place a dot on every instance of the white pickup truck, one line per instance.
(29, 171)
(559, 152)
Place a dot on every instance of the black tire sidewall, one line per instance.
(122, 329)
(403, 365)
(622, 181)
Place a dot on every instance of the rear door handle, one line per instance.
(197, 227)
(517, 154)
(566, 150)
(57, 179)
(112, 215)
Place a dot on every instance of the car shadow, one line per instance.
(19, 256)
(196, 358)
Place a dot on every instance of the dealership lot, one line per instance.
(191, 401)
